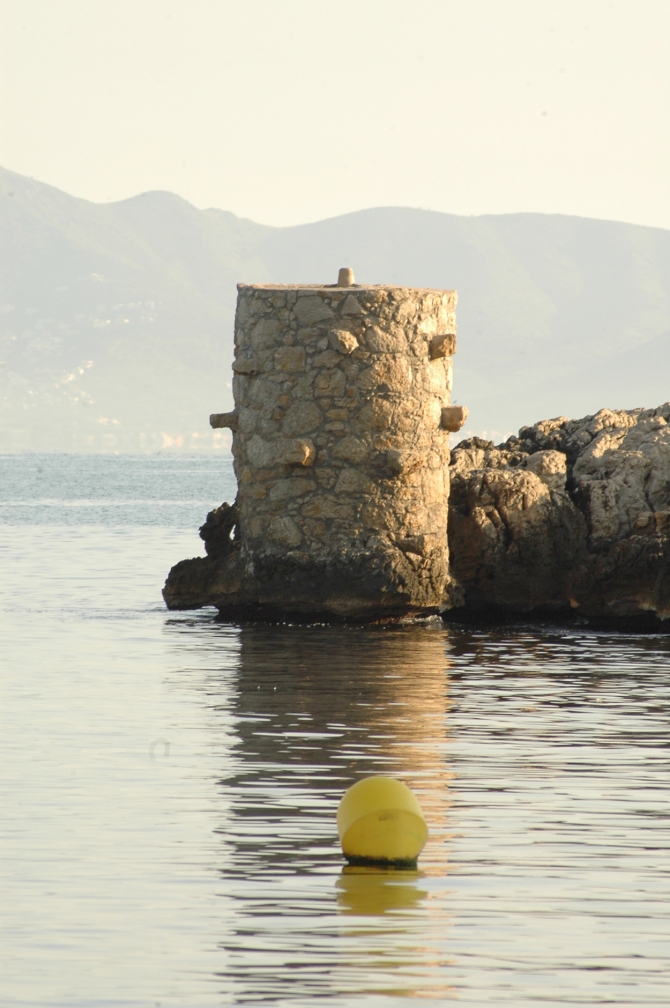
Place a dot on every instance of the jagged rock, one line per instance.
(189, 585)
(515, 541)
(550, 466)
(569, 513)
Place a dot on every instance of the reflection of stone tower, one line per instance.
(380, 708)
(341, 454)
(307, 711)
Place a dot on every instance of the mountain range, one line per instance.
(116, 320)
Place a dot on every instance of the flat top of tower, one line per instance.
(332, 288)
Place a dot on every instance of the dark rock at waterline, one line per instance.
(190, 583)
(276, 586)
(571, 514)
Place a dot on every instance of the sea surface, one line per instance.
(169, 782)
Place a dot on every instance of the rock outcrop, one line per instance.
(569, 514)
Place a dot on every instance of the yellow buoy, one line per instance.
(380, 822)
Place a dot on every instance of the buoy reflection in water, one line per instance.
(371, 892)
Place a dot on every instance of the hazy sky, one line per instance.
(288, 111)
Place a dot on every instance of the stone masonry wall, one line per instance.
(341, 450)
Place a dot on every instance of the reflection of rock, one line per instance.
(569, 513)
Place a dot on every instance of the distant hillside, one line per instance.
(116, 319)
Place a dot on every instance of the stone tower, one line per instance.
(341, 452)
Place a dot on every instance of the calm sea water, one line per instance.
(169, 782)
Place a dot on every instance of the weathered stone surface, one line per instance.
(571, 513)
(342, 341)
(246, 365)
(340, 457)
(290, 358)
(263, 454)
(229, 420)
(388, 373)
(442, 346)
(404, 462)
(292, 487)
(301, 418)
(297, 452)
(390, 339)
(550, 466)
(312, 309)
(351, 306)
(514, 543)
(330, 383)
(454, 417)
(284, 531)
(351, 449)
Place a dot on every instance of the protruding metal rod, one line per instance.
(345, 277)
